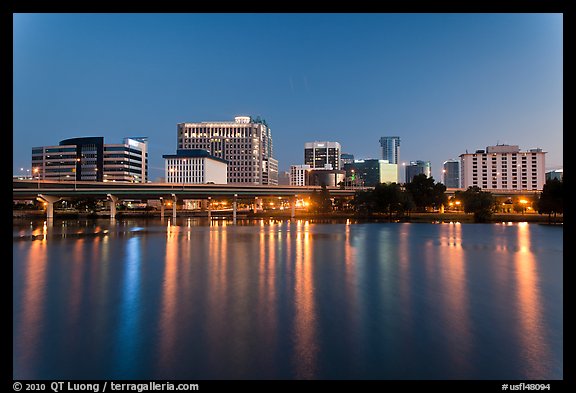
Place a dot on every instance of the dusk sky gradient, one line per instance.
(444, 83)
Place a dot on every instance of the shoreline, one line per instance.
(412, 217)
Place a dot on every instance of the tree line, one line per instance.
(423, 193)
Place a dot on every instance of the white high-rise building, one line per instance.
(504, 167)
(194, 166)
(298, 174)
(245, 143)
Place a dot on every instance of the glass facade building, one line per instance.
(90, 159)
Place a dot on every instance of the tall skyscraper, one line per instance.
(416, 168)
(504, 167)
(318, 154)
(390, 149)
(451, 174)
(245, 143)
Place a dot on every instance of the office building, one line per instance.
(451, 173)
(90, 159)
(390, 149)
(370, 172)
(245, 143)
(194, 166)
(557, 174)
(298, 174)
(504, 167)
(346, 158)
(126, 162)
(319, 154)
(416, 168)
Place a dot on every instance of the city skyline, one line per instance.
(444, 83)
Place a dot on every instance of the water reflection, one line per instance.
(270, 247)
(130, 309)
(285, 299)
(168, 309)
(29, 322)
(535, 352)
(455, 297)
(305, 346)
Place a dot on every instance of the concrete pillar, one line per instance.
(234, 208)
(50, 200)
(161, 208)
(113, 201)
(174, 199)
(258, 204)
(208, 207)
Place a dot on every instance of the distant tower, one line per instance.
(346, 158)
(416, 168)
(390, 149)
(451, 173)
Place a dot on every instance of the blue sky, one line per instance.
(444, 83)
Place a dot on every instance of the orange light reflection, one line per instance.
(530, 309)
(306, 346)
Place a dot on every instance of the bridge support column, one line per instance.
(161, 208)
(113, 201)
(174, 200)
(292, 207)
(234, 208)
(209, 208)
(50, 200)
(258, 204)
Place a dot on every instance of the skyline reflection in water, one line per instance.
(286, 300)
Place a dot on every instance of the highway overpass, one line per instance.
(53, 191)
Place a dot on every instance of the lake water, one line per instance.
(135, 299)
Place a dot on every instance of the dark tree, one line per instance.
(551, 200)
(87, 204)
(478, 202)
(387, 198)
(321, 202)
(426, 193)
(363, 202)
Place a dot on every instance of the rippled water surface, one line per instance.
(286, 300)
